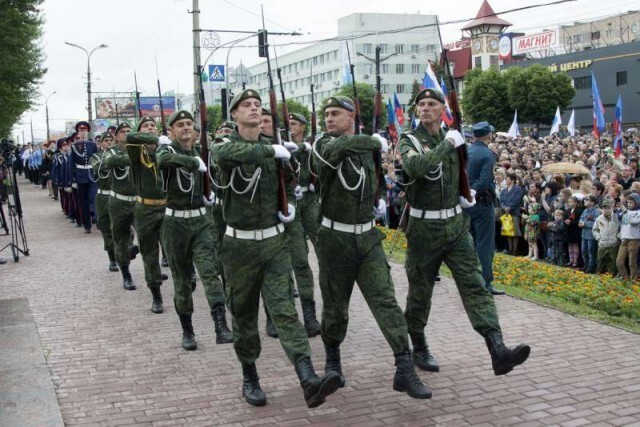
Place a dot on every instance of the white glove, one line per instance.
(209, 201)
(292, 214)
(312, 188)
(381, 209)
(298, 192)
(164, 140)
(307, 147)
(74, 186)
(67, 189)
(291, 146)
(468, 204)
(281, 152)
(383, 142)
(201, 166)
(455, 138)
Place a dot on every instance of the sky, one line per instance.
(139, 32)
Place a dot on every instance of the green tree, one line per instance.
(214, 117)
(536, 92)
(415, 90)
(366, 94)
(485, 98)
(21, 65)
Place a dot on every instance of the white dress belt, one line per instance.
(84, 166)
(193, 213)
(304, 189)
(257, 235)
(105, 192)
(123, 197)
(348, 228)
(440, 214)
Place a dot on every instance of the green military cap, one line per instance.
(298, 117)
(245, 94)
(179, 115)
(143, 120)
(429, 93)
(340, 102)
(106, 135)
(266, 111)
(228, 124)
(122, 126)
(142, 138)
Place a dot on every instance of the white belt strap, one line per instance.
(193, 213)
(84, 166)
(105, 192)
(348, 228)
(304, 189)
(441, 214)
(257, 235)
(123, 197)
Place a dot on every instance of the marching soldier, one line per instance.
(186, 230)
(82, 181)
(350, 246)
(438, 232)
(103, 180)
(121, 202)
(254, 256)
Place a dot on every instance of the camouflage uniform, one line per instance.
(309, 207)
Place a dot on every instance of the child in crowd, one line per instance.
(605, 231)
(532, 230)
(589, 244)
(558, 231)
(574, 234)
(630, 237)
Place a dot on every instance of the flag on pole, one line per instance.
(617, 128)
(430, 81)
(571, 126)
(392, 121)
(598, 108)
(514, 131)
(557, 121)
(447, 115)
(399, 112)
(346, 70)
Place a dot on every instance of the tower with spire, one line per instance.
(484, 32)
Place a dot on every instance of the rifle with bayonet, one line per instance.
(139, 108)
(164, 125)
(314, 122)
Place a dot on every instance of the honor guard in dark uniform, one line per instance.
(103, 180)
(121, 202)
(81, 172)
(350, 246)
(254, 254)
(438, 232)
(186, 229)
(57, 170)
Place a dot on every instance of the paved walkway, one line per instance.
(113, 362)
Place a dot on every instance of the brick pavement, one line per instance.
(113, 362)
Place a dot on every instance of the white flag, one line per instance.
(571, 126)
(557, 121)
(513, 130)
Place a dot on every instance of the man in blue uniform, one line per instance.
(81, 172)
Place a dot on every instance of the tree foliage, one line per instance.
(485, 98)
(214, 117)
(366, 94)
(22, 58)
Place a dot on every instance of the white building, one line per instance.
(403, 57)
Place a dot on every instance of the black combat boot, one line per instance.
(504, 359)
(127, 280)
(270, 327)
(113, 265)
(223, 334)
(251, 390)
(188, 337)
(156, 305)
(332, 362)
(311, 324)
(406, 379)
(422, 357)
(316, 389)
(133, 252)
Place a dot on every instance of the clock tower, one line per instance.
(484, 32)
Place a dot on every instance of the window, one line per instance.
(384, 47)
(399, 48)
(577, 38)
(478, 62)
(399, 68)
(582, 82)
(384, 88)
(366, 48)
(610, 33)
(415, 68)
(384, 68)
(415, 48)
(493, 62)
(595, 35)
(635, 28)
(400, 88)
(621, 78)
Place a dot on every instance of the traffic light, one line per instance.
(263, 45)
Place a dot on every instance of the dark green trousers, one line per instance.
(188, 241)
(607, 260)
(308, 209)
(121, 213)
(251, 269)
(429, 244)
(104, 221)
(345, 259)
(148, 220)
(296, 245)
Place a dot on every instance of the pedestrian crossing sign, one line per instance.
(216, 73)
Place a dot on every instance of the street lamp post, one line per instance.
(88, 53)
(46, 109)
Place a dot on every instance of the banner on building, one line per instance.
(535, 42)
(150, 106)
(115, 107)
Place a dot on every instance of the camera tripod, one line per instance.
(18, 242)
